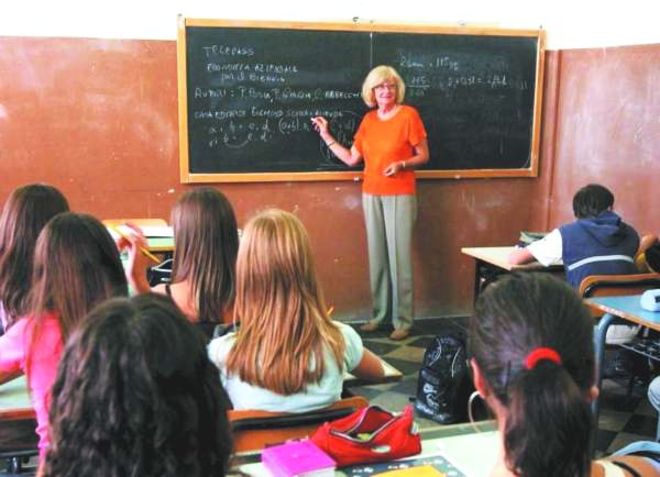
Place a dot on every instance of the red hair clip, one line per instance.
(540, 354)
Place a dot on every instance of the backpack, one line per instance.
(443, 384)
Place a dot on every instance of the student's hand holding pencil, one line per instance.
(139, 257)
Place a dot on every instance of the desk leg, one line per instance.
(484, 274)
(599, 349)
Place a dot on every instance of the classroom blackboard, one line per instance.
(247, 92)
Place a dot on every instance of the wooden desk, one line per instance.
(626, 308)
(458, 443)
(490, 262)
(392, 375)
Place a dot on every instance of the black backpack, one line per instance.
(444, 385)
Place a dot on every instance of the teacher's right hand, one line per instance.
(321, 126)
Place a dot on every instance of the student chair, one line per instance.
(608, 285)
(253, 430)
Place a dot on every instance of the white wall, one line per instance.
(569, 23)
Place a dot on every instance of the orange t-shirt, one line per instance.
(382, 142)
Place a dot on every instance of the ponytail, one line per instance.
(532, 339)
(549, 424)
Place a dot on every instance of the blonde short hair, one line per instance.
(378, 75)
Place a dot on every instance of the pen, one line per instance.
(144, 251)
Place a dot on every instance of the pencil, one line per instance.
(144, 251)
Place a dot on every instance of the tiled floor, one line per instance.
(623, 419)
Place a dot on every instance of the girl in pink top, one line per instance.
(76, 266)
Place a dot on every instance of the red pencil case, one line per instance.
(371, 434)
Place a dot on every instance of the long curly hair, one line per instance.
(24, 215)
(136, 396)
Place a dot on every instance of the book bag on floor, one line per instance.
(443, 384)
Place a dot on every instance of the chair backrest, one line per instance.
(254, 430)
(607, 285)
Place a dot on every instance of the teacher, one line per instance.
(392, 142)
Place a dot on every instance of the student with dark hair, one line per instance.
(136, 395)
(203, 274)
(531, 342)
(591, 201)
(597, 243)
(25, 213)
(76, 266)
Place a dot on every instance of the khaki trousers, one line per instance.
(389, 220)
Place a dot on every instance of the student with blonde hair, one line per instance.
(287, 355)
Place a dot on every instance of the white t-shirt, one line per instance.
(316, 396)
(547, 251)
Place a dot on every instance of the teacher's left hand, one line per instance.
(393, 168)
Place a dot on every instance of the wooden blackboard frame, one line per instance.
(187, 176)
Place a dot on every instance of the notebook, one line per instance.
(298, 458)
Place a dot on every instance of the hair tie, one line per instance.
(540, 354)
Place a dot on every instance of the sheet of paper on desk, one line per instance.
(437, 462)
(154, 231)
